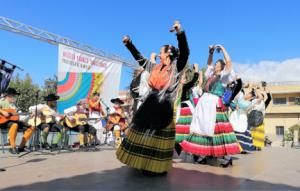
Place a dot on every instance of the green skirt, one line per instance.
(150, 150)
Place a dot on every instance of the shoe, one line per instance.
(21, 149)
(202, 161)
(2, 170)
(225, 165)
(54, 146)
(149, 173)
(195, 157)
(13, 151)
(83, 148)
(46, 146)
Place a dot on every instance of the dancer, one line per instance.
(151, 137)
(258, 130)
(211, 133)
(239, 120)
(186, 109)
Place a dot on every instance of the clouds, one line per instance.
(270, 71)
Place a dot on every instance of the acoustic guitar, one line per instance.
(13, 116)
(77, 119)
(44, 117)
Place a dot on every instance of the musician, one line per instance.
(8, 102)
(114, 119)
(81, 110)
(96, 111)
(50, 120)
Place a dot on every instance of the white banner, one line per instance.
(80, 74)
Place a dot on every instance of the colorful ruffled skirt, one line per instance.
(223, 142)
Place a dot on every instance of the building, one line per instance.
(284, 109)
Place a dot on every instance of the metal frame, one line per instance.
(42, 35)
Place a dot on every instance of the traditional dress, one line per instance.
(150, 141)
(211, 132)
(239, 121)
(185, 110)
(258, 133)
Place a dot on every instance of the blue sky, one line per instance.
(252, 31)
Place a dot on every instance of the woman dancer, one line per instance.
(150, 141)
(258, 132)
(186, 109)
(239, 120)
(211, 133)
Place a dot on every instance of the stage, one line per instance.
(270, 169)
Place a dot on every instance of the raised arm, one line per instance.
(210, 56)
(269, 98)
(135, 53)
(227, 59)
(184, 51)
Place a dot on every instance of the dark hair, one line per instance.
(223, 64)
(172, 51)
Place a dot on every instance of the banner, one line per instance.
(80, 74)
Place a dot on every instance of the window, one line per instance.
(279, 101)
(279, 130)
(297, 101)
(292, 99)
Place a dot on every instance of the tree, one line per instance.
(29, 91)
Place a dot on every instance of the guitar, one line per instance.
(44, 117)
(13, 116)
(77, 119)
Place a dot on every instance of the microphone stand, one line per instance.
(35, 137)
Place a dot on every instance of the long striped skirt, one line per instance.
(183, 123)
(258, 135)
(245, 140)
(222, 143)
(148, 149)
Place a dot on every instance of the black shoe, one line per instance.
(46, 146)
(225, 165)
(54, 146)
(13, 151)
(195, 157)
(21, 149)
(2, 170)
(202, 161)
(149, 173)
(178, 148)
(83, 148)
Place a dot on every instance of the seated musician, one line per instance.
(96, 111)
(7, 103)
(75, 120)
(114, 118)
(50, 120)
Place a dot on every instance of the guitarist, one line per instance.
(114, 122)
(96, 111)
(82, 127)
(47, 111)
(8, 102)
